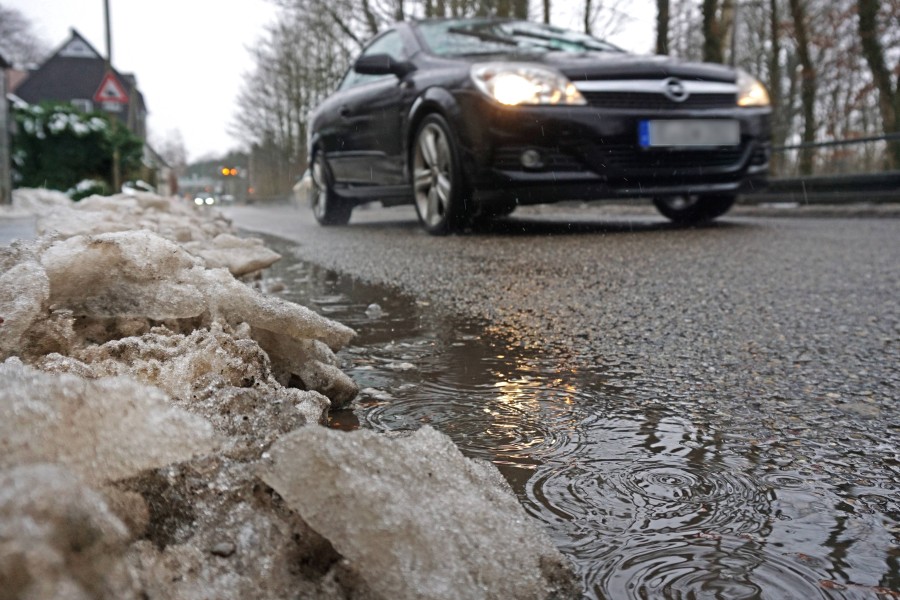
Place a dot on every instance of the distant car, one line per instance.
(133, 187)
(205, 199)
(471, 118)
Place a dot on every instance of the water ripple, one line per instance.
(654, 565)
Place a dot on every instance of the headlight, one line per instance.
(513, 84)
(750, 91)
(198, 201)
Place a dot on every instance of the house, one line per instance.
(78, 74)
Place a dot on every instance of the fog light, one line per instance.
(531, 159)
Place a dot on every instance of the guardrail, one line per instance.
(839, 188)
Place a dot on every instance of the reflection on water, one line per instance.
(647, 499)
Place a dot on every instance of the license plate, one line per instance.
(689, 133)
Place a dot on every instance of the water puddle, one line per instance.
(648, 499)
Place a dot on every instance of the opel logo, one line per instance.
(674, 90)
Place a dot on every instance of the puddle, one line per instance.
(647, 499)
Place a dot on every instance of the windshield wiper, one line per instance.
(585, 45)
(484, 36)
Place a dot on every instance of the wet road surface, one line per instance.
(702, 412)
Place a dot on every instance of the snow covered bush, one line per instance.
(56, 146)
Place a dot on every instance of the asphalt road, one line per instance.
(751, 306)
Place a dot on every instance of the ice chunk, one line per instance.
(312, 362)
(104, 429)
(239, 255)
(239, 303)
(131, 274)
(415, 518)
(24, 294)
(58, 539)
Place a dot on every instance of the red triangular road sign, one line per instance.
(111, 90)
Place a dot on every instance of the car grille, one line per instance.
(630, 159)
(658, 102)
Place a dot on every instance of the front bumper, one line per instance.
(591, 153)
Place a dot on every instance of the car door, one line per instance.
(367, 149)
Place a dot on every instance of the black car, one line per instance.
(470, 118)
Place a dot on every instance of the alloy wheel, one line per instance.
(433, 175)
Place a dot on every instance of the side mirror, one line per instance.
(381, 64)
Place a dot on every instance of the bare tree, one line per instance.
(604, 17)
(685, 29)
(888, 86)
(172, 149)
(18, 43)
(808, 82)
(295, 70)
(662, 26)
(718, 20)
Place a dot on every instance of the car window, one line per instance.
(390, 43)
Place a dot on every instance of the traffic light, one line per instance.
(229, 171)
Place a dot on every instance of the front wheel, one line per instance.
(438, 182)
(328, 208)
(689, 208)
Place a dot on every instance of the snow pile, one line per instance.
(149, 396)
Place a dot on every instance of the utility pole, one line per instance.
(5, 174)
(116, 168)
(108, 36)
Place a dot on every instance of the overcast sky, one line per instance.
(190, 56)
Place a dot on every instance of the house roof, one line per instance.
(76, 70)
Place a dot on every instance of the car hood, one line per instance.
(588, 66)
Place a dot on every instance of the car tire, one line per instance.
(328, 208)
(689, 209)
(439, 186)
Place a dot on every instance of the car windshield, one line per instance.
(487, 36)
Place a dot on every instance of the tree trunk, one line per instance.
(712, 44)
(718, 22)
(587, 16)
(547, 11)
(888, 93)
(775, 84)
(520, 9)
(371, 22)
(807, 85)
(662, 26)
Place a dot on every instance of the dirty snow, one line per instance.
(150, 393)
